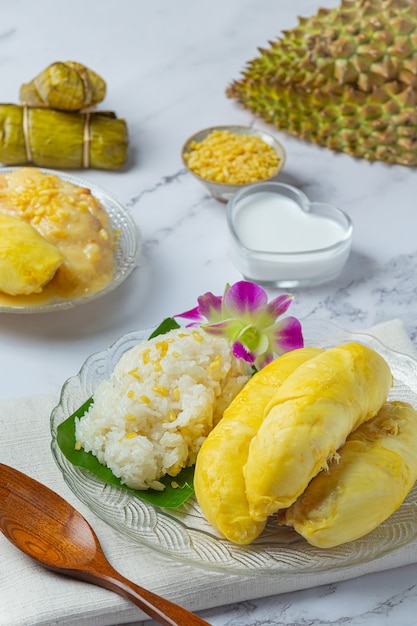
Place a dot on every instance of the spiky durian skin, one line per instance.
(375, 471)
(345, 78)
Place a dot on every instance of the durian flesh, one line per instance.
(27, 261)
(375, 471)
(308, 419)
(282, 428)
(345, 78)
(218, 478)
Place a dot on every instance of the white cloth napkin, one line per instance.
(33, 596)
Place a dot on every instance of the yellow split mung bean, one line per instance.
(232, 158)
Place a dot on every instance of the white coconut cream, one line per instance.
(279, 237)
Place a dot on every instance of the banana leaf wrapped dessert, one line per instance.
(57, 139)
(68, 86)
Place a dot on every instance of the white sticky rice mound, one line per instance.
(165, 395)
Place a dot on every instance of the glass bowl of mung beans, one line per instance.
(227, 158)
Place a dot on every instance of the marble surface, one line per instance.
(167, 65)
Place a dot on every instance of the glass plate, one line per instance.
(184, 534)
(125, 256)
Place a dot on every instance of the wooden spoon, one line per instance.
(46, 527)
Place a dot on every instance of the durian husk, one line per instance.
(57, 139)
(65, 86)
(345, 78)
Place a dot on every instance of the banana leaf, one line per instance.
(68, 86)
(58, 139)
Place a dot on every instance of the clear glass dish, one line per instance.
(184, 534)
(309, 263)
(125, 257)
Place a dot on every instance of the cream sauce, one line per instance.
(273, 223)
(70, 218)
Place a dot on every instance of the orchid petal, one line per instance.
(280, 305)
(273, 310)
(245, 300)
(210, 306)
(241, 352)
(230, 328)
(192, 314)
(254, 340)
(286, 335)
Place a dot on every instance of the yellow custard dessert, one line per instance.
(68, 217)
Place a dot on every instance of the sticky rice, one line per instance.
(165, 395)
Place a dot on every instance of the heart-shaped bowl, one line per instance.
(280, 238)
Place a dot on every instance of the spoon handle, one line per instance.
(161, 610)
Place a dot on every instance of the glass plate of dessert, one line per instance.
(84, 242)
(183, 533)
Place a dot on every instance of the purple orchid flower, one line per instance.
(244, 316)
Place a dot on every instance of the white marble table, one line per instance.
(167, 65)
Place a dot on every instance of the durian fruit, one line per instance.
(345, 78)
(27, 261)
(308, 419)
(218, 478)
(374, 472)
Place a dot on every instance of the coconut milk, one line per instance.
(280, 238)
(274, 223)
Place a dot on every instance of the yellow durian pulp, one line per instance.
(218, 479)
(376, 470)
(27, 261)
(308, 419)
